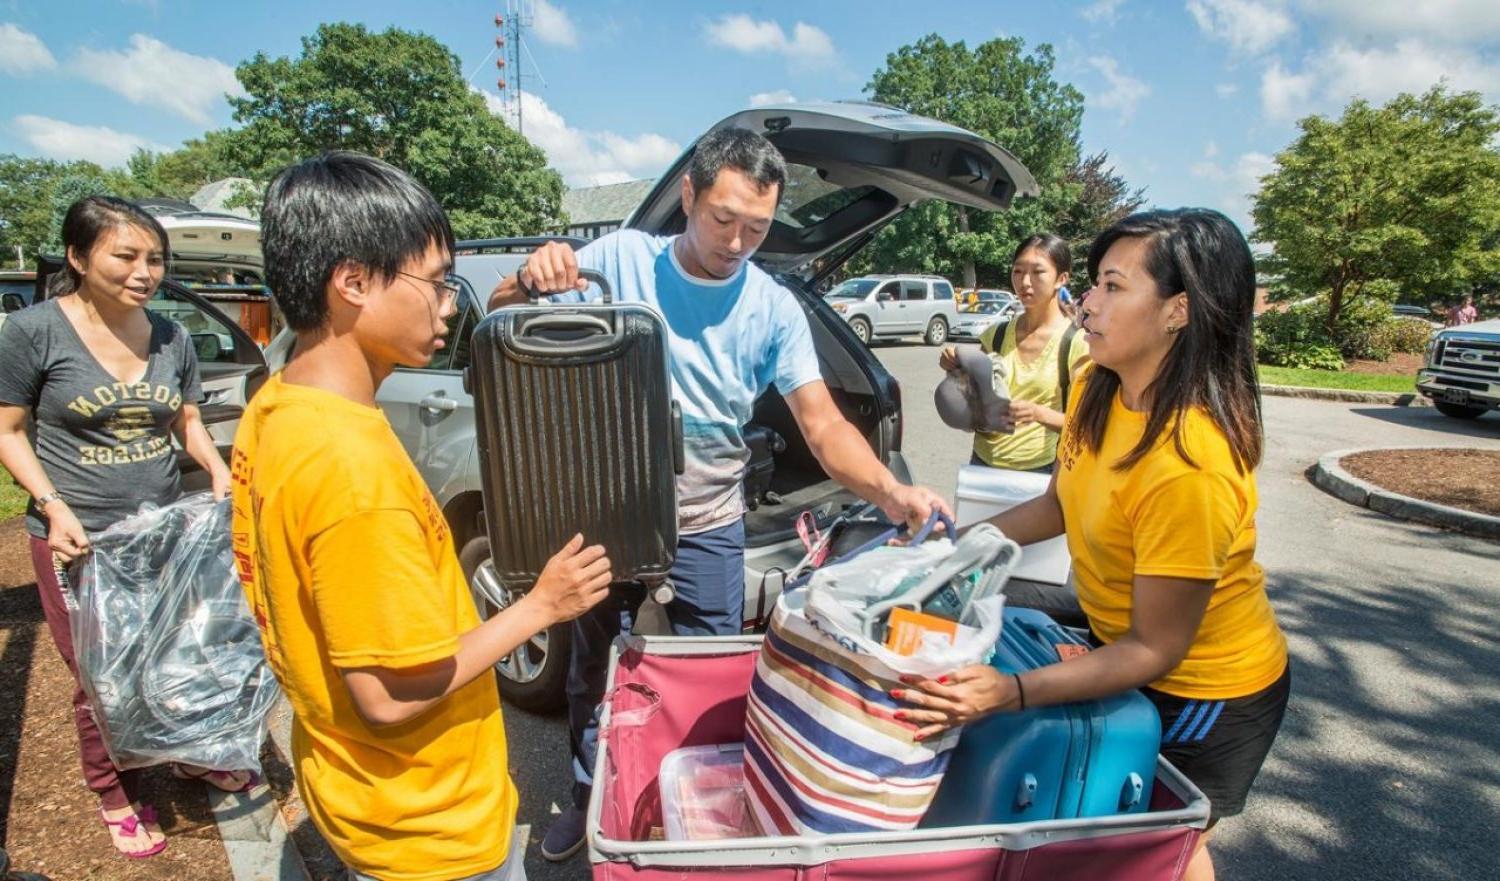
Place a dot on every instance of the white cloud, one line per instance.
(1284, 95)
(808, 45)
(56, 139)
(23, 52)
(153, 73)
(1102, 11)
(1460, 21)
(1238, 183)
(1211, 150)
(1411, 65)
(588, 158)
(1249, 26)
(1124, 91)
(780, 96)
(552, 25)
(1224, 90)
(1340, 72)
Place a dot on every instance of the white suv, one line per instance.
(896, 305)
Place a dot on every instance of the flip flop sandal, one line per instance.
(213, 778)
(132, 824)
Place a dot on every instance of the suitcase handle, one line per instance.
(602, 334)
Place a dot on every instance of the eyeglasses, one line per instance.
(445, 290)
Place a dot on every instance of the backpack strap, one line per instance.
(1064, 374)
(998, 338)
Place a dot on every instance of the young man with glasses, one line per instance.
(346, 559)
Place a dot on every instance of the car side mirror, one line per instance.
(12, 303)
(207, 346)
(884, 296)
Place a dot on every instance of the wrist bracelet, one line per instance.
(527, 290)
(1020, 691)
(46, 499)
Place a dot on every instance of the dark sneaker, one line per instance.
(565, 836)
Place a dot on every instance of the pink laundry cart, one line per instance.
(667, 693)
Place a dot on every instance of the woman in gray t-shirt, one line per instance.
(93, 386)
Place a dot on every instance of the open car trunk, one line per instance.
(852, 167)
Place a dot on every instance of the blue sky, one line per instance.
(1192, 98)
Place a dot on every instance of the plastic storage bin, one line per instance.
(703, 794)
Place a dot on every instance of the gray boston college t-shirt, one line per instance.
(105, 444)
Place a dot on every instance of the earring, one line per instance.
(1172, 328)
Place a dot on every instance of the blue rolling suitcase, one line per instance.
(1090, 759)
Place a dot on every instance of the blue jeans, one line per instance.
(709, 578)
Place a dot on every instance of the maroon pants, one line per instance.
(112, 785)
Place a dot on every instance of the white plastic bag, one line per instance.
(168, 652)
(843, 600)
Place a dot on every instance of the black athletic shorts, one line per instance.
(1220, 745)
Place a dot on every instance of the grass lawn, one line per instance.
(1338, 379)
(12, 497)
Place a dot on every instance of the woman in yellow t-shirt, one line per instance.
(1156, 493)
(1032, 346)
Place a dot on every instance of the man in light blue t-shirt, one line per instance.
(732, 332)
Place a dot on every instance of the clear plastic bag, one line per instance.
(167, 649)
(850, 601)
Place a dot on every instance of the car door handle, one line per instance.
(437, 402)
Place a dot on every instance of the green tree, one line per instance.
(1097, 196)
(1009, 95)
(1400, 200)
(184, 171)
(36, 193)
(398, 96)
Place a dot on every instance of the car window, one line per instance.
(212, 338)
(892, 288)
(914, 290)
(16, 294)
(942, 290)
(854, 287)
(808, 199)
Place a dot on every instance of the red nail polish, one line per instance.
(942, 680)
(900, 716)
(917, 737)
(896, 693)
(908, 679)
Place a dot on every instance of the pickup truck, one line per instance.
(1462, 376)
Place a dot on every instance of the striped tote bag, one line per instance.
(823, 750)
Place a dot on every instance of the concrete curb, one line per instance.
(1330, 476)
(1394, 399)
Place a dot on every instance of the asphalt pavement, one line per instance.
(1388, 764)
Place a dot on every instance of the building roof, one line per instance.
(211, 197)
(610, 203)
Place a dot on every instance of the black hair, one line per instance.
(1211, 363)
(1057, 251)
(87, 220)
(336, 207)
(745, 152)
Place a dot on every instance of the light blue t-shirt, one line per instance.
(727, 342)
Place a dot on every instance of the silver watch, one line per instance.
(49, 498)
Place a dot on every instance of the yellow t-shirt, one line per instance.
(347, 562)
(1030, 446)
(1164, 517)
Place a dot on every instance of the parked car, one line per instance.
(852, 168)
(884, 306)
(17, 289)
(218, 256)
(987, 308)
(1462, 376)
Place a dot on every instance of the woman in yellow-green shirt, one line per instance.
(1155, 490)
(1042, 351)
